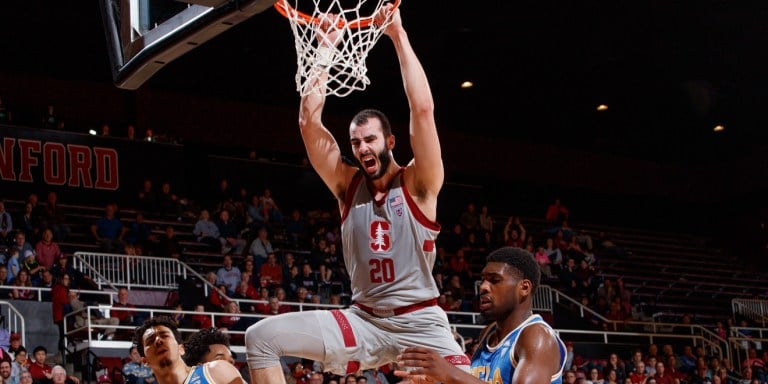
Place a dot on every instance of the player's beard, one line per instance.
(385, 159)
(166, 362)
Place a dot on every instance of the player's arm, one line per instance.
(426, 366)
(538, 356)
(322, 149)
(427, 166)
(223, 372)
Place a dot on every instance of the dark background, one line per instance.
(529, 131)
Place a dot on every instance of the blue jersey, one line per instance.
(497, 364)
(199, 375)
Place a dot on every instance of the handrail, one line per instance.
(14, 320)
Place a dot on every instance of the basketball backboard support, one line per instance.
(145, 35)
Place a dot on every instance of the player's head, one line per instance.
(207, 345)
(509, 280)
(158, 341)
(372, 142)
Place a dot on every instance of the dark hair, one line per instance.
(363, 116)
(523, 262)
(38, 349)
(166, 321)
(198, 344)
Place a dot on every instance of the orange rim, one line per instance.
(286, 10)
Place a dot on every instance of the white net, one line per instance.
(345, 62)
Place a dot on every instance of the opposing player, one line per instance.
(158, 342)
(388, 232)
(518, 347)
(207, 345)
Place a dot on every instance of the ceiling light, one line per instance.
(602, 107)
(467, 85)
(92, 132)
(718, 128)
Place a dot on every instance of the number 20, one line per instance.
(382, 270)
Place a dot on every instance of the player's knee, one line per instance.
(260, 350)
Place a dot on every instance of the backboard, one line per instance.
(145, 35)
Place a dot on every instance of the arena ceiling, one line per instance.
(669, 71)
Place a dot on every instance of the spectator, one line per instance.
(201, 320)
(22, 245)
(556, 212)
(22, 285)
(229, 233)
(78, 280)
(272, 271)
(470, 219)
(662, 377)
(14, 265)
(146, 200)
(246, 290)
(21, 363)
(168, 203)
(33, 268)
(542, 258)
(271, 211)
(6, 225)
(139, 233)
(206, 231)
(108, 231)
(5, 372)
(59, 376)
(307, 279)
(228, 275)
(485, 220)
(124, 311)
(47, 249)
(255, 215)
(25, 222)
(168, 245)
(60, 306)
(296, 229)
(53, 216)
(15, 345)
(134, 371)
(260, 248)
(97, 318)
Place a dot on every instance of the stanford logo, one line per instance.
(380, 240)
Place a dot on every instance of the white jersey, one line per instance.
(389, 247)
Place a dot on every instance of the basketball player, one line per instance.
(388, 233)
(158, 344)
(207, 345)
(518, 347)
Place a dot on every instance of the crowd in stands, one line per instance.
(288, 259)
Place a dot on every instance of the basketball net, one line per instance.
(344, 62)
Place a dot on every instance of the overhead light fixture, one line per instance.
(602, 107)
(718, 128)
(92, 132)
(467, 85)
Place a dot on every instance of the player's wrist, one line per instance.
(324, 56)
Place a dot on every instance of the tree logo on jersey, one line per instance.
(380, 240)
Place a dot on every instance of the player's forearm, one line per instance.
(414, 79)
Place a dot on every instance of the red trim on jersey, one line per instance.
(397, 311)
(350, 194)
(458, 359)
(417, 213)
(348, 336)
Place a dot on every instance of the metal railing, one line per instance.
(115, 270)
(755, 310)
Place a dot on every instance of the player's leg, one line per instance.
(429, 328)
(291, 334)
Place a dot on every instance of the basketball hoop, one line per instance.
(344, 62)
